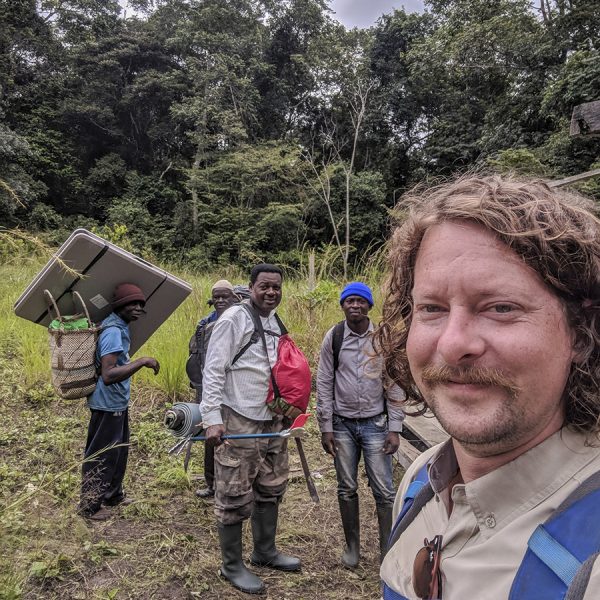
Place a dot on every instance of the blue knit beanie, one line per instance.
(357, 288)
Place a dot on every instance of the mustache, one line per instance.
(435, 374)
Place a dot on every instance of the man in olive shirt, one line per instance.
(356, 415)
(491, 322)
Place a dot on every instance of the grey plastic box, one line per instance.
(100, 267)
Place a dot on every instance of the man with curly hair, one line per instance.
(491, 322)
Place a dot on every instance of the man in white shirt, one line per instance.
(250, 474)
(491, 322)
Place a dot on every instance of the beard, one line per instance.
(473, 425)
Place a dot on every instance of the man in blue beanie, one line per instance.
(357, 414)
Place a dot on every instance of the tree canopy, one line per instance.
(222, 132)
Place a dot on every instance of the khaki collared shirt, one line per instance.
(485, 536)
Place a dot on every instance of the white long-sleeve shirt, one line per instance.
(244, 385)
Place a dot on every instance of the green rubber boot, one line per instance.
(264, 527)
(233, 568)
(351, 524)
(384, 519)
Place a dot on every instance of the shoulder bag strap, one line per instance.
(337, 339)
(253, 338)
(261, 332)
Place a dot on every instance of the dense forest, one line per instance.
(217, 132)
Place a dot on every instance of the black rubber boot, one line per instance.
(264, 527)
(233, 568)
(384, 518)
(351, 524)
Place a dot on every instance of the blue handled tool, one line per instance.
(296, 430)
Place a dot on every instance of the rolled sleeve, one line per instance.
(325, 385)
(395, 399)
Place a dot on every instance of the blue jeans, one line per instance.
(356, 436)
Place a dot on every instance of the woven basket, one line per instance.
(72, 354)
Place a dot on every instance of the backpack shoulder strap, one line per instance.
(282, 327)
(336, 344)
(561, 552)
(255, 337)
(418, 494)
(260, 332)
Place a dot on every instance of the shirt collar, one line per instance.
(521, 484)
(349, 333)
(249, 303)
(115, 320)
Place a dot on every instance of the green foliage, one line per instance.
(172, 477)
(98, 551)
(115, 233)
(187, 123)
(518, 160)
(10, 587)
(45, 218)
(54, 567)
(325, 293)
(591, 187)
(150, 438)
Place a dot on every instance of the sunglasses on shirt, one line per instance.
(427, 577)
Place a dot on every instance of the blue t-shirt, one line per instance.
(113, 339)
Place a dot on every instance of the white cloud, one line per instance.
(364, 13)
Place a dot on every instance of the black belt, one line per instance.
(358, 419)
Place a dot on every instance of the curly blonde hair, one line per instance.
(554, 231)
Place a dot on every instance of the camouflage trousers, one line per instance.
(248, 470)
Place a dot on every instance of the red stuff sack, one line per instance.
(290, 385)
(290, 378)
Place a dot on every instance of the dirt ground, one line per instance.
(164, 546)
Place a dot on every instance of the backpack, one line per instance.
(560, 552)
(242, 291)
(290, 381)
(72, 340)
(197, 348)
(198, 345)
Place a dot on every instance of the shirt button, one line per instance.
(490, 521)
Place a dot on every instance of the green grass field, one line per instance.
(164, 546)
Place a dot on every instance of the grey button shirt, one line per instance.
(359, 391)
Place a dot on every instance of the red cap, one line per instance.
(125, 293)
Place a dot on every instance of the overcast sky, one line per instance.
(354, 13)
(364, 13)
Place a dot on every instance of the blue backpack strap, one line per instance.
(415, 487)
(559, 549)
(390, 594)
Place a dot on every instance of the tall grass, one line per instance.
(41, 439)
(307, 313)
(19, 339)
